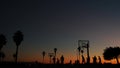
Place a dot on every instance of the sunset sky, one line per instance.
(49, 24)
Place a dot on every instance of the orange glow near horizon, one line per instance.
(69, 55)
(28, 57)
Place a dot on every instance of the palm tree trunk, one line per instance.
(117, 60)
(16, 54)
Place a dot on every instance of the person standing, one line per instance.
(83, 60)
(62, 59)
(99, 58)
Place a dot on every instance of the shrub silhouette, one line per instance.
(111, 53)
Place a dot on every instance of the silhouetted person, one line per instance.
(62, 59)
(58, 62)
(77, 62)
(99, 59)
(83, 59)
(88, 59)
(94, 59)
(54, 59)
(70, 62)
(14, 56)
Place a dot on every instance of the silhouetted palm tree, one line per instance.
(55, 50)
(43, 53)
(111, 53)
(2, 41)
(18, 38)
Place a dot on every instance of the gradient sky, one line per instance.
(49, 24)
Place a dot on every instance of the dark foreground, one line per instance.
(38, 65)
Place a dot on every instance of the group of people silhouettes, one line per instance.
(59, 61)
(96, 60)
